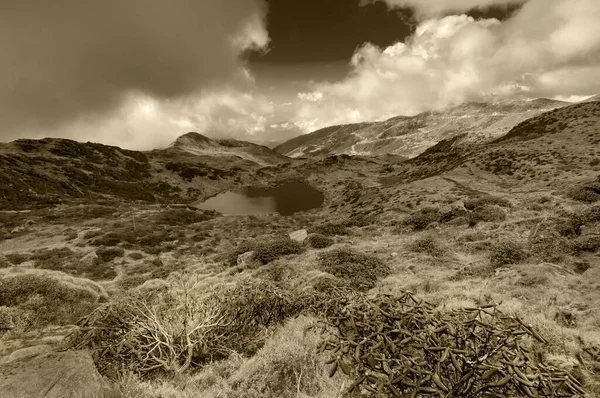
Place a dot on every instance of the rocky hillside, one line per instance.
(50, 170)
(560, 148)
(199, 145)
(410, 136)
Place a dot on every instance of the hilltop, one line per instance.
(52, 170)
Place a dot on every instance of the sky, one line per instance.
(139, 73)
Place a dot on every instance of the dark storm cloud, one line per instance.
(69, 58)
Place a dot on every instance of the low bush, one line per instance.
(551, 249)
(181, 328)
(419, 220)
(402, 346)
(38, 300)
(359, 270)
(506, 252)
(472, 204)
(329, 229)
(453, 214)
(486, 214)
(588, 193)
(585, 244)
(428, 244)
(319, 241)
(265, 251)
(107, 254)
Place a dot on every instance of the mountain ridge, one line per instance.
(409, 136)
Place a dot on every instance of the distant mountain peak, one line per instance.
(193, 139)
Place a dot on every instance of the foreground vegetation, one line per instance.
(449, 293)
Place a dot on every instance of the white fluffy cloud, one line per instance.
(548, 48)
(147, 123)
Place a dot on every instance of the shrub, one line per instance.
(452, 214)
(136, 256)
(419, 220)
(180, 328)
(39, 300)
(329, 229)
(428, 244)
(506, 252)
(361, 271)
(319, 241)
(474, 352)
(586, 244)
(62, 259)
(266, 251)
(472, 204)
(107, 254)
(486, 214)
(588, 193)
(551, 249)
(271, 250)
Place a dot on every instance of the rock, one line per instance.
(459, 221)
(590, 229)
(245, 259)
(299, 235)
(53, 375)
(25, 353)
(27, 264)
(89, 259)
(18, 229)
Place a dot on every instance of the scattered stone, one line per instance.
(18, 229)
(53, 375)
(299, 235)
(459, 221)
(591, 229)
(245, 259)
(89, 259)
(27, 264)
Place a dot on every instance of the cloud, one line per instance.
(546, 49)
(143, 122)
(439, 7)
(69, 59)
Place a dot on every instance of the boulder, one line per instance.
(245, 259)
(26, 353)
(66, 374)
(459, 221)
(590, 229)
(299, 235)
(89, 259)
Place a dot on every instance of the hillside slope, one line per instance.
(410, 136)
(557, 148)
(52, 170)
(199, 145)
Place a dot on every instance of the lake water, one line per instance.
(285, 199)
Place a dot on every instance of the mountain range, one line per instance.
(409, 136)
(504, 140)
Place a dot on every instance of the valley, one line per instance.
(429, 220)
